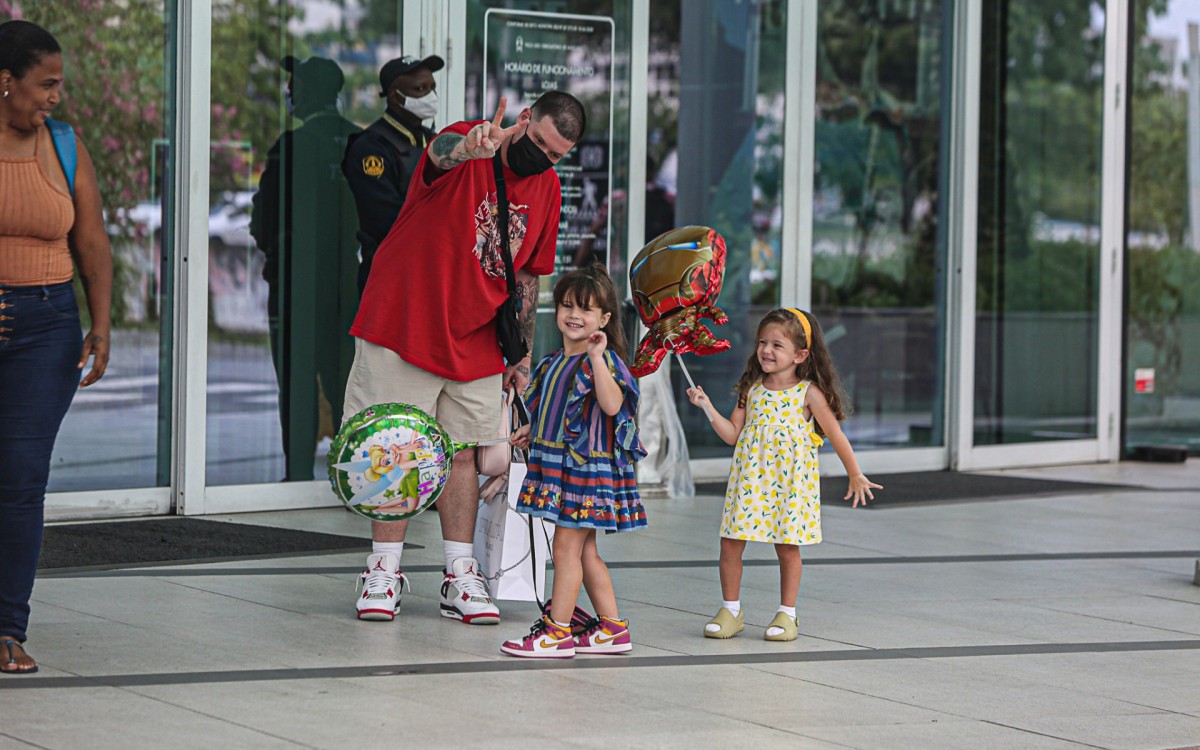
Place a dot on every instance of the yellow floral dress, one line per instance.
(774, 492)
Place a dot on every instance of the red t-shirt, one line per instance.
(437, 279)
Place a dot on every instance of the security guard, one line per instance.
(379, 162)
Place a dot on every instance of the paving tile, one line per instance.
(460, 710)
(941, 733)
(1121, 732)
(963, 688)
(104, 718)
(1157, 681)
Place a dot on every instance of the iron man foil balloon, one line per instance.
(675, 280)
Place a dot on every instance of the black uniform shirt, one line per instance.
(379, 164)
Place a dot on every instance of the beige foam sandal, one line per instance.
(729, 624)
(789, 625)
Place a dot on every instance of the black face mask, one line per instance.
(525, 158)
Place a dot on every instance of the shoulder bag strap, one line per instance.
(502, 225)
(64, 144)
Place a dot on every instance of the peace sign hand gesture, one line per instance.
(483, 140)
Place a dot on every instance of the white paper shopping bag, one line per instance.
(512, 548)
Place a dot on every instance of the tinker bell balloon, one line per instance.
(389, 462)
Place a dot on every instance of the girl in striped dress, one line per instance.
(580, 475)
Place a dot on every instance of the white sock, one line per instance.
(388, 548)
(790, 612)
(734, 607)
(455, 550)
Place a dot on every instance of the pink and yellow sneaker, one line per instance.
(581, 619)
(605, 636)
(545, 641)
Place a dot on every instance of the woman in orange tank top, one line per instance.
(47, 231)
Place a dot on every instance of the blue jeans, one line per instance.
(40, 345)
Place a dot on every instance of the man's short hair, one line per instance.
(565, 111)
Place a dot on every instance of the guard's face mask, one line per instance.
(425, 107)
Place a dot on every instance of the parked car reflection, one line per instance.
(238, 295)
(229, 219)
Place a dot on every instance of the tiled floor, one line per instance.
(1048, 622)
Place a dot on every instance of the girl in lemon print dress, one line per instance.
(790, 401)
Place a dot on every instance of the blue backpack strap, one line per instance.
(64, 143)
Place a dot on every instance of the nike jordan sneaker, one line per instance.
(545, 641)
(381, 585)
(465, 596)
(581, 619)
(604, 636)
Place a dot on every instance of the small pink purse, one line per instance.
(492, 459)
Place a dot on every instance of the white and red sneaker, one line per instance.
(545, 641)
(381, 584)
(465, 596)
(604, 635)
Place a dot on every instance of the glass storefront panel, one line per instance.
(1036, 323)
(518, 49)
(1162, 401)
(715, 158)
(118, 59)
(879, 249)
(283, 257)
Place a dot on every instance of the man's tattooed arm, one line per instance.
(450, 150)
(527, 289)
(447, 151)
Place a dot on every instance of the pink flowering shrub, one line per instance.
(113, 94)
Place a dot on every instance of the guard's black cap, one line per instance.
(401, 65)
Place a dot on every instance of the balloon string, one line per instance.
(679, 358)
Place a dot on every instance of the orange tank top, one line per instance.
(35, 218)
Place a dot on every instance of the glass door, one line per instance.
(879, 213)
(1045, 172)
(112, 455)
(291, 82)
(1161, 390)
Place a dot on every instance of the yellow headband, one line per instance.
(804, 324)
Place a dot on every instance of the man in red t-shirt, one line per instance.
(426, 327)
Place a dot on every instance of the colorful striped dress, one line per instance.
(580, 472)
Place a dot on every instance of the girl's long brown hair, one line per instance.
(593, 287)
(818, 368)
